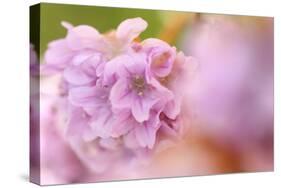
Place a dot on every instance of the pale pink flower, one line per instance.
(118, 107)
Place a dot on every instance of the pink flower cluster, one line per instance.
(119, 91)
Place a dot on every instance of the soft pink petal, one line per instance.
(129, 29)
(66, 25)
(102, 123)
(172, 108)
(78, 124)
(75, 75)
(159, 92)
(116, 68)
(81, 57)
(145, 135)
(58, 55)
(161, 56)
(123, 124)
(85, 37)
(162, 65)
(109, 143)
(120, 95)
(154, 42)
(136, 64)
(130, 140)
(141, 108)
(88, 97)
(167, 130)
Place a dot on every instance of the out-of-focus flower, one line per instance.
(120, 97)
(34, 115)
(58, 162)
(33, 62)
(233, 94)
(46, 139)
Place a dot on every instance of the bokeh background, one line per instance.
(230, 98)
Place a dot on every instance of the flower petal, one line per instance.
(130, 140)
(88, 97)
(109, 143)
(116, 67)
(145, 136)
(102, 123)
(161, 56)
(82, 57)
(57, 57)
(172, 108)
(78, 124)
(75, 75)
(123, 124)
(85, 37)
(141, 108)
(120, 95)
(129, 29)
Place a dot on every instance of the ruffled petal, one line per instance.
(172, 108)
(136, 64)
(159, 92)
(57, 57)
(130, 140)
(102, 123)
(109, 143)
(145, 136)
(88, 97)
(123, 124)
(116, 68)
(129, 29)
(141, 108)
(121, 95)
(76, 76)
(161, 56)
(78, 124)
(81, 57)
(85, 37)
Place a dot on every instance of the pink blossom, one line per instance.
(118, 106)
(133, 90)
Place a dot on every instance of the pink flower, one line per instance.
(133, 90)
(118, 106)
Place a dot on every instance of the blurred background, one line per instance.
(230, 98)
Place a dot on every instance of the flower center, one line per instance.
(138, 84)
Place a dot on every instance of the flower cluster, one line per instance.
(119, 91)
